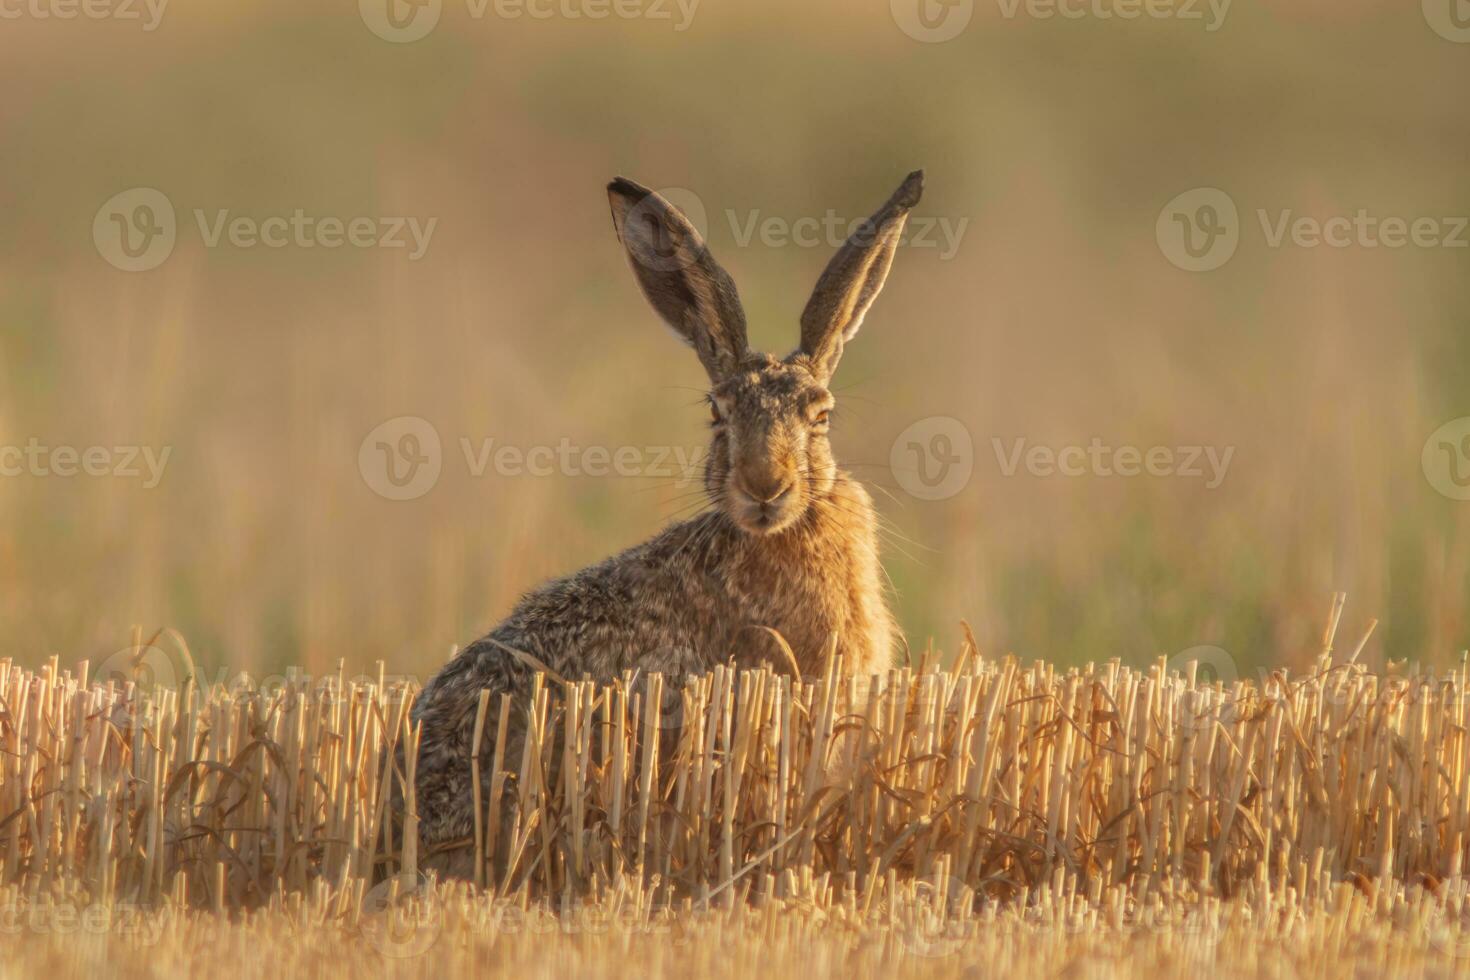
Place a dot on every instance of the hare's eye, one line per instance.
(822, 419)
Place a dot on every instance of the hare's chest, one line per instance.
(831, 592)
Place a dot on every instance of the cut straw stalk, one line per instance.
(1001, 779)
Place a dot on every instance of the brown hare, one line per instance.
(789, 543)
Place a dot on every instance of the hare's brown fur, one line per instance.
(790, 542)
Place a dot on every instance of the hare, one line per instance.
(789, 543)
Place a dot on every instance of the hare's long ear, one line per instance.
(682, 281)
(854, 278)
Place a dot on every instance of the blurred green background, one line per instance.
(1057, 319)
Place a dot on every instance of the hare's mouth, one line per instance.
(769, 516)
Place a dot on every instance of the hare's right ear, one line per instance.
(682, 281)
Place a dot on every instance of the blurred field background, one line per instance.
(1058, 319)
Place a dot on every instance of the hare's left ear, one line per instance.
(854, 278)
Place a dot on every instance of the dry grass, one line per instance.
(1056, 809)
(624, 933)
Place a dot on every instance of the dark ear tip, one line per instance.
(911, 191)
(623, 187)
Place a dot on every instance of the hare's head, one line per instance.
(769, 458)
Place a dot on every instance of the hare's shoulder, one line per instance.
(630, 579)
(656, 595)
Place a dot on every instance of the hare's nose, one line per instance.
(769, 490)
